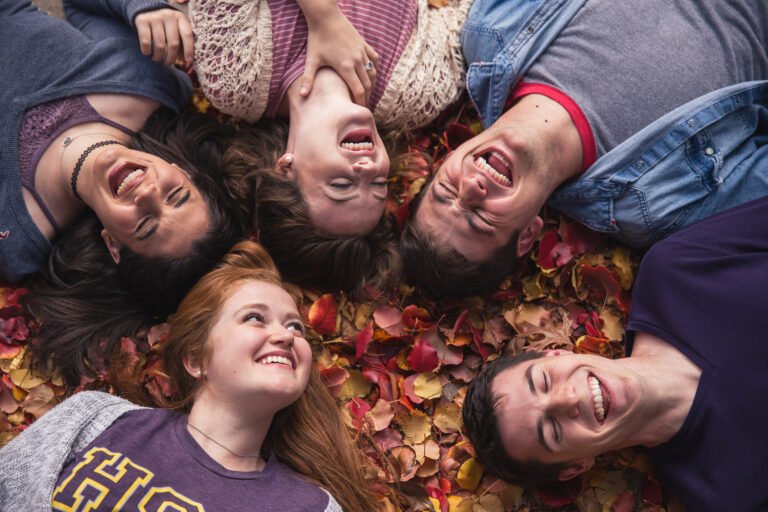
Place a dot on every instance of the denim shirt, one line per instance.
(701, 158)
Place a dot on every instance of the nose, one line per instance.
(564, 400)
(472, 191)
(280, 335)
(146, 194)
(363, 164)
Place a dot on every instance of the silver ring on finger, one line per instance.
(369, 66)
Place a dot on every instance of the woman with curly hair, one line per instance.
(316, 190)
(250, 421)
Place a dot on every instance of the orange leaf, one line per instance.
(322, 314)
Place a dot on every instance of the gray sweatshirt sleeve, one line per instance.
(30, 464)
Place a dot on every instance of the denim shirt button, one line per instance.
(530, 29)
(709, 151)
(692, 123)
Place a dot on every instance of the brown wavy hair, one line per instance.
(308, 435)
(305, 254)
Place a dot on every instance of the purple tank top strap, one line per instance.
(40, 127)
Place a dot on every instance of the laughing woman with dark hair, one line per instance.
(74, 97)
(316, 191)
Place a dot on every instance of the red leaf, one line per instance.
(15, 328)
(390, 319)
(362, 340)
(358, 407)
(552, 252)
(415, 317)
(408, 384)
(423, 357)
(578, 237)
(334, 377)
(600, 281)
(322, 314)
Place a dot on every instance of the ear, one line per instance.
(576, 468)
(113, 246)
(528, 236)
(192, 366)
(285, 165)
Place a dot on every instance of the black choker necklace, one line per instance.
(81, 161)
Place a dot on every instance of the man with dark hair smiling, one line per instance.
(692, 389)
(634, 118)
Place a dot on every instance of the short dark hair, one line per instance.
(482, 428)
(305, 254)
(446, 272)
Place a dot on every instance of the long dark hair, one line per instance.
(305, 254)
(86, 303)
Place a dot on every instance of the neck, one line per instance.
(549, 122)
(229, 424)
(671, 383)
(327, 89)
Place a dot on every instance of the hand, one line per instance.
(166, 35)
(334, 42)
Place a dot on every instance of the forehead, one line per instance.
(254, 292)
(516, 412)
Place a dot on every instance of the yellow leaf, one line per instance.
(470, 474)
(416, 427)
(447, 417)
(623, 263)
(612, 325)
(427, 385)
(355, 385)
(434, 501)
(26, 378)
(459, 504)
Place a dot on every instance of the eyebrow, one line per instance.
(465, 213)
(265, 307)
(540, 421)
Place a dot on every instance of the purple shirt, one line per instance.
(386, 25)
(702, 290)
(147, 458)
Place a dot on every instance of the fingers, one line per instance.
(166, 36)
(308, 79)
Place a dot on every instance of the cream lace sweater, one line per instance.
(233, 59)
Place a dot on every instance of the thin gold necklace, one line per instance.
(221, 445)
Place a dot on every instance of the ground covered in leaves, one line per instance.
(400, 363)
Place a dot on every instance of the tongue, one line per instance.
(497, 164)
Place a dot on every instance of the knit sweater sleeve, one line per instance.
(30, 464)
(430, 74)
(233, 54)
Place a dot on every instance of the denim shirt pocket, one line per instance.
(589, 201)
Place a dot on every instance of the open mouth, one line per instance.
(124, 178)
(275, 359)
(601, 400)
(358, 140)
(498, 167)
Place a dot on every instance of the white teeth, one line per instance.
(597, 398)
(357, 146)
(132, 176)
(275, 359)
(502, 158)
(497, 176)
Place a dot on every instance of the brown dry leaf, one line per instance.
(437, 3)
(488, 503)
(39, 400)
(447, 417)
(380, 416)
(622, 261)
(526, 317)
(405, 460)
(428, 468)
(416, 426)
